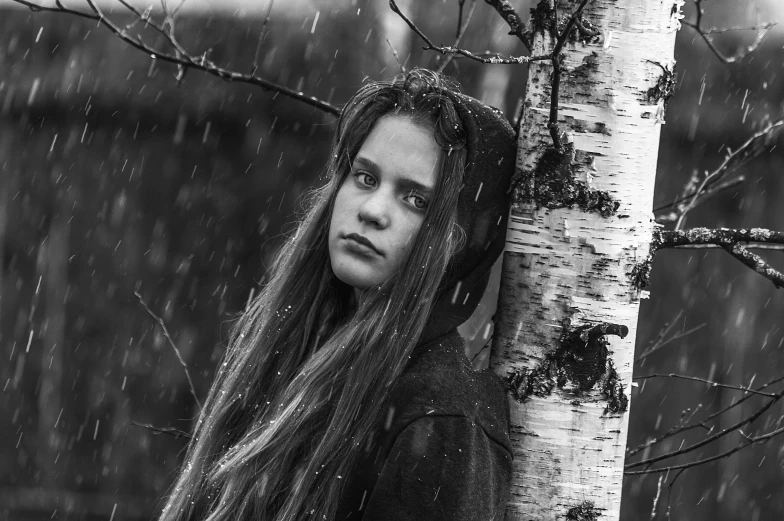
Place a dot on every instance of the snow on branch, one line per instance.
(179, 56)
(762, 29)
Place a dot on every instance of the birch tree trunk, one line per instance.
(581, 220)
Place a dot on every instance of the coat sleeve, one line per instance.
(442, 468)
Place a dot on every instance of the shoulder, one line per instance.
(439, 382)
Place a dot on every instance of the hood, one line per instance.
(482, 212)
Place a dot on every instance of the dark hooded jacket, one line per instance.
(442, 451)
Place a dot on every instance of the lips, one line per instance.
(364, 241)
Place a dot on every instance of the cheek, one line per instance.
(405, 239)
(339, 209)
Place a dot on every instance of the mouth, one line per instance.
(361, 244)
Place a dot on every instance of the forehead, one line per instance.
(400, 146)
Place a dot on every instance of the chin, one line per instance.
(354, 274)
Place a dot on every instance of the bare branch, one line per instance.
(705, 441)
(749, 149)
(516, 25)
(656, 498)
(758, 439)
(709, 382)
(59, 9)
(662, 341)
(762, 30)
(728, 239)
(487, 57)
(707, 194)
(683, 427)
(261, 37)
(718, 236)
(757, 263)
(397, 59)
(185, 60)
(171, 342)
(461, 29)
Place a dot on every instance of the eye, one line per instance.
(417, 200)
(364, 179)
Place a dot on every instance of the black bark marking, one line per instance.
(585, 511)
(587, 68)
(581, 359)
(554, 186)
(664, 87)
(542, 18)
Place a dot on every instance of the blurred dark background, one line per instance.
(115, 180)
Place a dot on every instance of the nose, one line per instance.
(375, 210)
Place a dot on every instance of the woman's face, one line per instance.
(382, 202)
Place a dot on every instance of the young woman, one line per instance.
(345, 392)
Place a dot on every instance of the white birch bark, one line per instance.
(570, 264)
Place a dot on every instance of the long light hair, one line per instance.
(306, 375)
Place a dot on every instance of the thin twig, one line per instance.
(59, 9)
(669, 491)
(487, 57)
(656, 498)
(663, 342)
(709, 382)
(762, 30)
(460, 4)
(171, 342)
(397, 59)
(188, 61)
(705, 441)
(704, 196)
(678, 429)
(730, 162)
(759, 439)
(461, 29)
(261, 37)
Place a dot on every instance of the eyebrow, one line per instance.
(406, 182)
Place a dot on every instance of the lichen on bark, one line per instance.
(640, 274)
